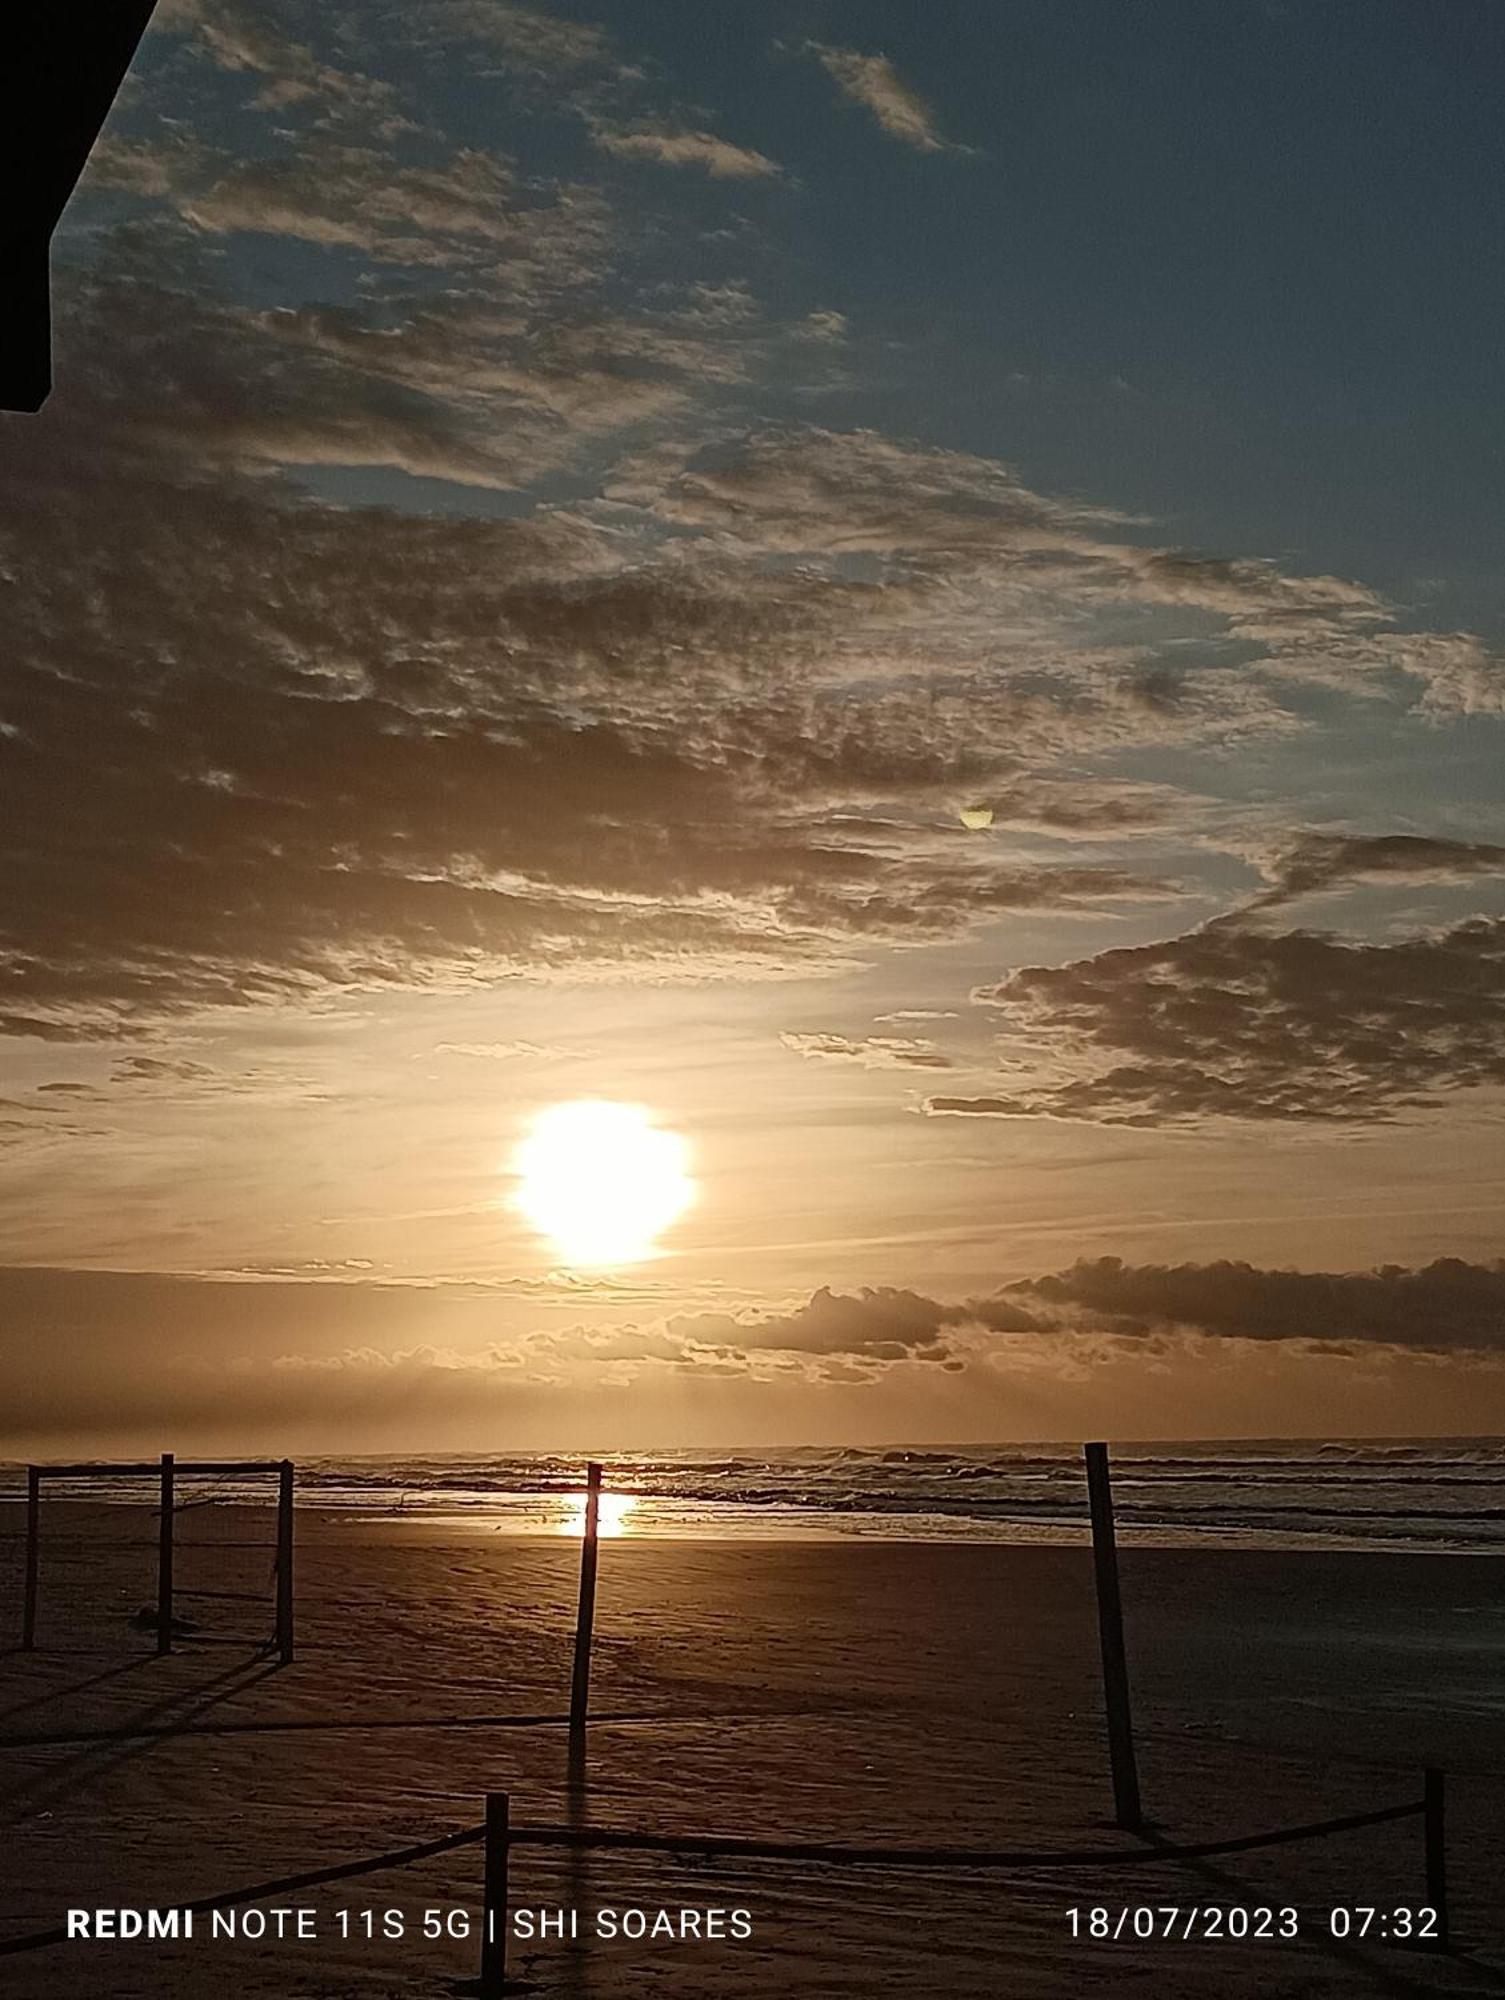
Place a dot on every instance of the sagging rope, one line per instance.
(733, 1846)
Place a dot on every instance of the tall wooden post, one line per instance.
(1434, 1819)
(33, 1556)
(164, 1558)
(285, 1562)
(586, 1620)
(498, 1851)
(1110, 1627)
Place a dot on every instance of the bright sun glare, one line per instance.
(611, 1519)
(602, 1181)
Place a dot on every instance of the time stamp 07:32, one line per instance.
(1212, 1923)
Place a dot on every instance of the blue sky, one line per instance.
(915, 591)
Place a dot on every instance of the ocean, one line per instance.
(1443, 1494)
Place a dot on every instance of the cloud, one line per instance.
(326, 1356)
(1319, 861)
(1449, 1306)
(1234, 1022)
(504, 1051)
(363, 774)
(549, 44)
(870, 1052)
(1446, 1305)
(877, 1325)
(637, 739)
(713, 716)
(872, 82)
(677, 146)
(456, 211)
(265, 39)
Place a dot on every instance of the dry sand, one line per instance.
(858, 1691)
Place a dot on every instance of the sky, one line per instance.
(913, 593)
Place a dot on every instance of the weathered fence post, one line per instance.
(1110, 1626)
(164, 1559)
(285, 1562)
(586, 1619)
(498, 1853)
(1434, 1799)
(33, 1556)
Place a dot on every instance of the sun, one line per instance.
(602, 1181)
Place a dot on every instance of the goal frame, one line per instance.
(165, 1470)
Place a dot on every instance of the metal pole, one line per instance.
(498, 1852)
(33, 1556)
(586, 1620)
(1110, 1626)
(1435, 1819)
(285, 1562)
(164, 1559)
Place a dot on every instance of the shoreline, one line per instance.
(746, 1525)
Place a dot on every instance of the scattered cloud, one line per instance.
(872, 82)
(1321, 861)
(709, 692)
(1234, 1022)
(870, 1052)
(678, 146)
(505, 1051)
(549, 44)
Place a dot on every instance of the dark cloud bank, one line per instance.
(104, 1353)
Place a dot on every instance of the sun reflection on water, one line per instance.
(612, 1520)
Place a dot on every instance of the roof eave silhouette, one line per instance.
(61, 66)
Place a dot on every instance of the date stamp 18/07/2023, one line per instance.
(1222, 1923)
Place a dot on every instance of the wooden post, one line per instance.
(586, 1620)
(1110, 1626)
(1434, 1816)
(33, 1556)
(164, 1559)
(498, 1853)
(285, 1562)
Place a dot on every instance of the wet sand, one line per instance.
(860, 1692)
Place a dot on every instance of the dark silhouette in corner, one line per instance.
(61, 63)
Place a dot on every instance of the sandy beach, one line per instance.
(860, 1692)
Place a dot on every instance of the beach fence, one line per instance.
(499, 1837)
(585, 1617)
(1110, 1627)
(1128, 1810)
(167, 1470)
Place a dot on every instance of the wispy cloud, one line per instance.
(679, 146)
(868, 1051)
(1320, 861)
(872, 82)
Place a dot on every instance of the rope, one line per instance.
(761, 1850)
(210, 1499)
(150, 1732)
(940, 1857)
(226, 1596)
